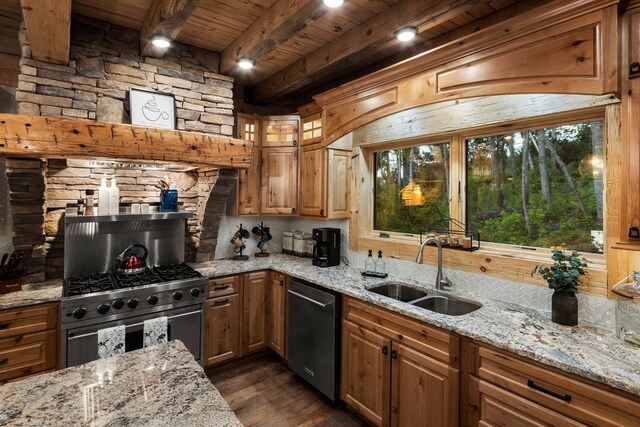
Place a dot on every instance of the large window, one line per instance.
(538, 188)
(411, 187)
(532, 188)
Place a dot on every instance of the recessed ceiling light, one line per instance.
(333, 3)
(405, 34)
(246, 63)
(160, 40)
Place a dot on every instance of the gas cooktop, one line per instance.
(102, 282)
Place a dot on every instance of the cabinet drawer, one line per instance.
(552, 389)
(501, 408)
(222, 286)
(28, 320)
(429, 340)
(27, 354)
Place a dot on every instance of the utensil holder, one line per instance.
(169, 200)
(10, 285)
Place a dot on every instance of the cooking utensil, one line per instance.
(4, 260)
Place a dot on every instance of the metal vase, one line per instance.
(564, 308)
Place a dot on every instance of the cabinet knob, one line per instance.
(385, 350)
(321, 211)
(293, 210)
(394, 354)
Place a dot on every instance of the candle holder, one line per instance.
(452, 234)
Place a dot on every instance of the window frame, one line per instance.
(457, 140)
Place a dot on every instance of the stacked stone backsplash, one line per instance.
(105, 63)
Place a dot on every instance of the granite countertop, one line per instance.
(592, 353)
(161, 385)
(31, 294)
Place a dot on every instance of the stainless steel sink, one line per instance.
(398, 291)
(446, 305)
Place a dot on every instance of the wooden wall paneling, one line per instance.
(166, 17)
(359, 42)
(457, 178)
(416, 87)
(273, 28)
(48, 25)
(477, 113)
(248, 197)
(52, 137)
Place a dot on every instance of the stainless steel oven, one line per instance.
(183, 324)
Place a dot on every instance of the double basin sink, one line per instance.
(426, 299)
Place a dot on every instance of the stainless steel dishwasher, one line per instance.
(314, 336)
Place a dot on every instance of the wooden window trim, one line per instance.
(405, 245)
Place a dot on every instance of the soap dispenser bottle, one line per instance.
(114, 198)
(103, 197)
(381, 269)
(369, 265)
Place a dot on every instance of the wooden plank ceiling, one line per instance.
(299, 45)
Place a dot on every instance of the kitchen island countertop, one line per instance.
(162, 385)
(589, 352)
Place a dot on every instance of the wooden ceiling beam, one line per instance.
(53, 137)
(273, 28)
(166, 17)
(48, 25)
(359, 43)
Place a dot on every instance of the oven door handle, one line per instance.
(135, 325)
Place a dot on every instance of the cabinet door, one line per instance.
(498, 407)
(424, 392)
(339, 184)
(279, 181)
(312, 129)
(254, 326)
(280, 131)
(248, 195)
(221, 329)
(366, 373)
(278, 314)
(313, 172)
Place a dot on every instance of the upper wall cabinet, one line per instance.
(559, 47)
(312, 129)
(248, 198)
(270, 184)
(280, 131)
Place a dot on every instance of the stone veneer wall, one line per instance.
(105, 63)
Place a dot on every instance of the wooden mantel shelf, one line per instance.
(53, 137)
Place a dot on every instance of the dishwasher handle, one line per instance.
(310, 299)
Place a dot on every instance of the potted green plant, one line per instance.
(563, 276)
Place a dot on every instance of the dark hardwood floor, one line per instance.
(262, 391)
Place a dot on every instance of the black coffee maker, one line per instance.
(326, 252)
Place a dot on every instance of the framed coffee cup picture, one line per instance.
(152, 109)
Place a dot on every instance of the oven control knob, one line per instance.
(177, 295)
(195, 292)
(118, 304)
(132, 303)
(153, 300)
(79, 313)
(104, 308)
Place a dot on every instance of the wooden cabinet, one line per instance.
(312, 129)
(279, 181)
(416, 377)
(280, 131)
(505, 389)
(313, 181)
(248, 198)
(28, 341)
(277, 314)
(365, 373)
(254, 317)
(222, 329)
(396, 371)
